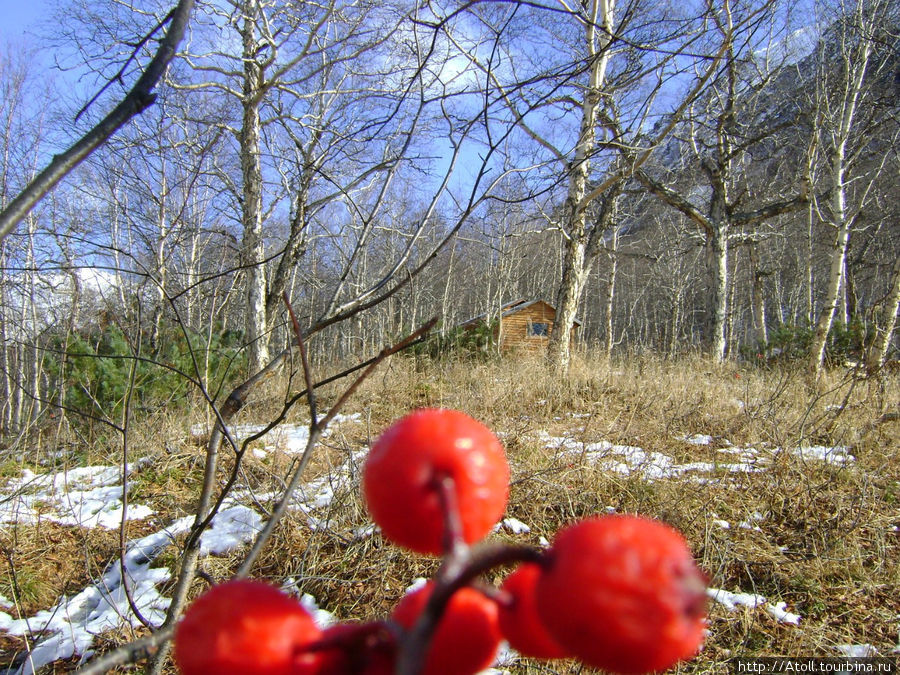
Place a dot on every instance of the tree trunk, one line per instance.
(6, 407)
(251, 215)
(611, 294)
(758, 299)
(854, 64)
(838, 258)
(717, 262)
(576, 263)
(570, 288)
(883, 334)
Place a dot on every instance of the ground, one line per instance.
(787, 491)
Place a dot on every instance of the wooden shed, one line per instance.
(523, 325)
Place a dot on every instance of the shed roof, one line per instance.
(513, 308)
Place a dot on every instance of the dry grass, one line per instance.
(826, 542)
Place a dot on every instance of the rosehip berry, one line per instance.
(623, 593)
(246, 627)
(467, 635)
(520, 622)
(405, 465)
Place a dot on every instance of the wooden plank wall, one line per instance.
(514, 329)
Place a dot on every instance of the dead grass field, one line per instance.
(785, 489)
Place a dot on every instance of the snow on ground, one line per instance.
(857, 651)
(731, 601)
(74, 621)
(650, 465)
(630, 460)
(91, 497)
(288, 438)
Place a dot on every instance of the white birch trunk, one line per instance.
(883, 334)
(758, 300)
(717, 258)
(855, 65)
(251, 216)
(574, 272)
(611, 294)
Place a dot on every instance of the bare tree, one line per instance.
(613, 62)
(722, 130)
(847, 70)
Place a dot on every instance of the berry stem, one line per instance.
(454, 543)
(370, 633)
(460, 567)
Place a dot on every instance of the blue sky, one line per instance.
(19, 16)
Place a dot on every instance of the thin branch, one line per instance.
(126, 419)
(118, 76)
(316, 432)
(138, 99)
(129, 653)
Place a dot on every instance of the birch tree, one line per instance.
(611, 64)
(719, 135)
(847, 68)
(287, 68)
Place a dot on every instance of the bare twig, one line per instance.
(315, 434)
(138, 99)
(129, 653)
(126, 419)
(304, 360)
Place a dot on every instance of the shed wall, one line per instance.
(514, 330)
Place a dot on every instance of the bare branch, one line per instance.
(135, 102)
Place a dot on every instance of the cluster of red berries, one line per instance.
(621, 593)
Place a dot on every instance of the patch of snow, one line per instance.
(322, 617)
(365, 532)
(505, 658)
(857, 651)
(416, 584)
(751, 523)
(515, 526)
(89, 496)
(289, 438)
(630, 460)
(839, 455)
(699, 439)
(724, 524)
(782, 615)
(731, 601)
(230, 528)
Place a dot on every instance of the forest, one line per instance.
(711, 178)
(212, 209)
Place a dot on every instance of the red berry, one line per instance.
(467, 636)
(519, 620)
(246, 627)
(623, 593)
(405, 464)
